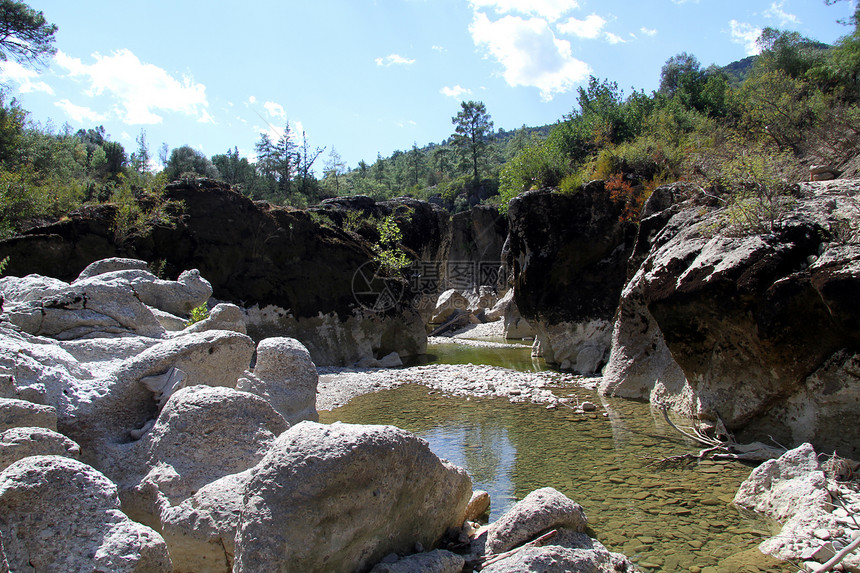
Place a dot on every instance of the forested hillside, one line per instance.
(752, 127)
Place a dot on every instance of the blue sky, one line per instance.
(368, 76)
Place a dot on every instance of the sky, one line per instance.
(367, 77)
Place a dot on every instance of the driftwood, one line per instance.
(837, 559)
(535, 543)
(716, 448)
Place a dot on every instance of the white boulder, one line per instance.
(286, 377)
(340, 497)
(58, 514)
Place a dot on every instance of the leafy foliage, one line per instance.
(25, 35)
(198, 313)
(389, 253)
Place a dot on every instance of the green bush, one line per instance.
(197, 314)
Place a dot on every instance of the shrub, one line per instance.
(389, 253)
(197, 314)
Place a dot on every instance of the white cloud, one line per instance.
(25, 78)
(746, 34)
(648, 31)
(252, 100)
(394, 59)
(776, 12)
(456, 92)
(275, 110)
(78, 113)
(589, 28)
(551, 10)
(440, 49)
(139, 90)
(614, 38)
(530, 53)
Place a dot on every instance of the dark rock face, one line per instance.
(568, 258)
(477, 238)
(755, 322)
(301, 275)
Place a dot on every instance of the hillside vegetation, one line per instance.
(745, 132)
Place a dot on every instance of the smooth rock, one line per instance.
(438, 561)
(286, 377)
(203, 434)
(479, 504)
(340, 497)
(14, 413)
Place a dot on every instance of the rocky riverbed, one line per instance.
(337, 386)
(135, 441)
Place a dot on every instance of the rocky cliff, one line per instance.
(299, 278)
(567, 256)
(757, 327)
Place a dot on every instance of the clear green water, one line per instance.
(665, 519)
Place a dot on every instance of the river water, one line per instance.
(665, 518)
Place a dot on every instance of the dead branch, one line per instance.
(535, 543)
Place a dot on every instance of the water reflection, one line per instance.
(665, 519)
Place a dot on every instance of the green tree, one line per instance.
(186, 161)
(234, 170)
(333, 172)
(472, 131)
(140, 158)
(25, 35)
(12, 119)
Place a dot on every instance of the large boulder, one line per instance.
(203, 434)
(796, 491)
(286, 377)
(341, 497)
(568, 257)
(758, 329)
(201, 531)
(540, 511)
(102, 305)
(58, 514)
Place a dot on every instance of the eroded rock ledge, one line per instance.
(757, 329)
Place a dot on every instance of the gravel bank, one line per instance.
(337, 386)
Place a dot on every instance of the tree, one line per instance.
(186, 161)
(234, 170)
(25, 35)
(472, 131)
(140, 158)
(333, 172)
(681, 73)
(287, 159)
(307, 157)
